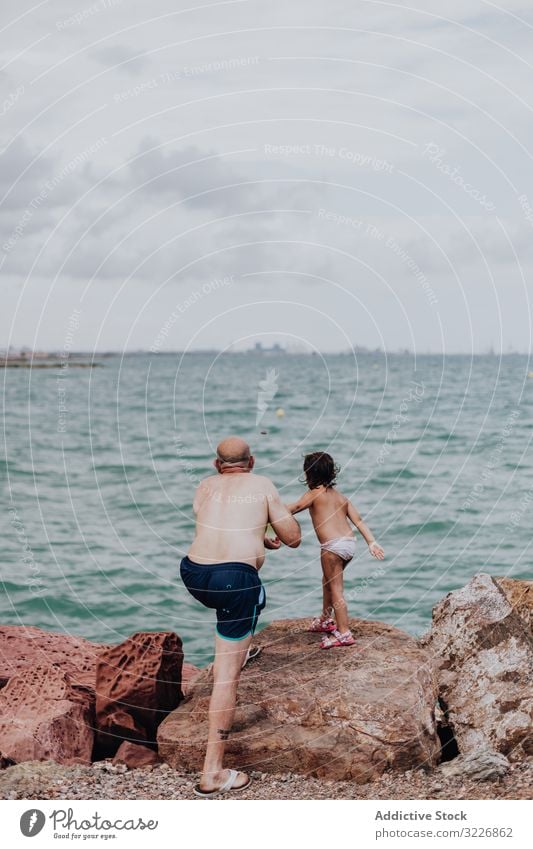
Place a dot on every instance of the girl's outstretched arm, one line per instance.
(304, 502)
(355, 518)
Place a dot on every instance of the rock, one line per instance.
(343, 713)
(482, 765)
(519, 594)
(137, 684)
(108, 766)
(134, 755)
(25, 647)
(27, 780)
(45, 715)
(484, 659)
(188, 674)
(143, 675)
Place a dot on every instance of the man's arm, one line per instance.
(286, 527)
(304, 502)
(355, 518)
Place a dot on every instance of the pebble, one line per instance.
(51, 781)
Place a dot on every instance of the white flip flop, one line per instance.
(253, 652)
(225, 788)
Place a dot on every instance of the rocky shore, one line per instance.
(448, 715)
(102, 780)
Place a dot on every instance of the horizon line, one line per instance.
(25, 352)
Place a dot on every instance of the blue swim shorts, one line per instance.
(234, 590)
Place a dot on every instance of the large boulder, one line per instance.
(481, 765)
(188, 674)
(483, 653)
(138, 682)
(25, 647)
(49, 683)
(351, 712)
(519, 594)
(135, 755)
(45, 715)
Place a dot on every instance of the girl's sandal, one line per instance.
(322, 626)
(337, 639)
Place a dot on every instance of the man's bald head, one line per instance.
(233, 452)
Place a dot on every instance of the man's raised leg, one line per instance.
(229, 658)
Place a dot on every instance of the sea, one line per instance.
(99, 468)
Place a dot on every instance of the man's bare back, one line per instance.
(232, 511)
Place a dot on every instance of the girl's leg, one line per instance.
(332, 567)
(327, 602)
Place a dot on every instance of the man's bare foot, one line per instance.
(217, 780)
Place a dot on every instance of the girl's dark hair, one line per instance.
(320, 469)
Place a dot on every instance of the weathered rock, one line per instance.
(484, 656)
(482, 765)
(134, 755)
(519, 594)
(343, 713)
(25, 647)
(188, 674)
(27, 780)
(137, 685)
(45, 715)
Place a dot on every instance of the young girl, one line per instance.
(330, 512)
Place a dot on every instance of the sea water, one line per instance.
(100, 466)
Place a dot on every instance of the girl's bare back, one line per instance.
(329, 514)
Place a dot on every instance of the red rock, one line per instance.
(342, 713)
(25, 647)
(484, 658)
(45, 715)
(137, 685)
(135, 755)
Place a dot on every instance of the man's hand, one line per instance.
(272, 544)
(283, 524)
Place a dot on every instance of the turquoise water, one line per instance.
(435, 453)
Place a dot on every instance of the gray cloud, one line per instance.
(248, 140)
(130, 60)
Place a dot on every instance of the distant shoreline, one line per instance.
(267, 353)
(45, 364)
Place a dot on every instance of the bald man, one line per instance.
(232, 511)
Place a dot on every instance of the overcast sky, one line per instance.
(319, 173)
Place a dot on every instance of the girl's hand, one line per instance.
(272, 544)
(376, 550)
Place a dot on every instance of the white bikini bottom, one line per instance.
(344, 547)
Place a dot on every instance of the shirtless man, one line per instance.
(232, 511)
